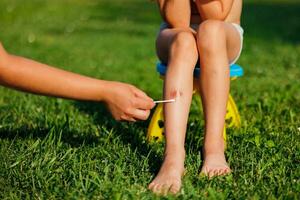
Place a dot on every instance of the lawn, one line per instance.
(55, 149)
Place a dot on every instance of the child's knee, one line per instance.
(210, 34)
(185, 40)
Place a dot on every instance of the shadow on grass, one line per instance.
(134, 134)
(131, 134)
(70, 137)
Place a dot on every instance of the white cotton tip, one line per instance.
(165, 101)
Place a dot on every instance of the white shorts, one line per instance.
(239, 29)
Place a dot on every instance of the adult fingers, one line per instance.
(140, 114)
(128, 118)
(144, 104)
(141, 94)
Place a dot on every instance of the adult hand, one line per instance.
(126, 102)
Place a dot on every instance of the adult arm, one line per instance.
(124, 101)
(214, 9)
(177, 13)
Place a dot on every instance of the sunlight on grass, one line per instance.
(53, 148)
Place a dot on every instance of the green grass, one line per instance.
(53, 148)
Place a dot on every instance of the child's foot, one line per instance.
(214, 163)
(169, 176)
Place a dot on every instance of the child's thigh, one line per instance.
(166, 38)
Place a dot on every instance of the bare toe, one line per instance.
(227, 170)
(204, 171)
(210, 173)
(151, 185)
(157, 189)
(222, 172)
(216, 172)
(169, 174)
(175, 188)
(165, 189)
(215, 165)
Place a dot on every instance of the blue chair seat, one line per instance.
(235, 70)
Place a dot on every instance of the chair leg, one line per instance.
(225, 136)
(232, 114)
(156, 126)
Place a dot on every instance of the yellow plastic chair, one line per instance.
(156, 127)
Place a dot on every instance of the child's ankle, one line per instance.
(177, 153)
(213, 147)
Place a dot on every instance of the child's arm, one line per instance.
(125, 102)
(177, 13)
(214, 9)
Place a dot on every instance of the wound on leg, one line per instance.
(174, 94)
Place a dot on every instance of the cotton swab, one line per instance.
(165, 101)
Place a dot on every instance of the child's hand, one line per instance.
(126, 102)
(176, 13)
(214, 9)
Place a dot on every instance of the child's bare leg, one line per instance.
(218, 43)
(180, 49)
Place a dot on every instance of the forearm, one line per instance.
(177, 13)
(214, 9)
(30, 76)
